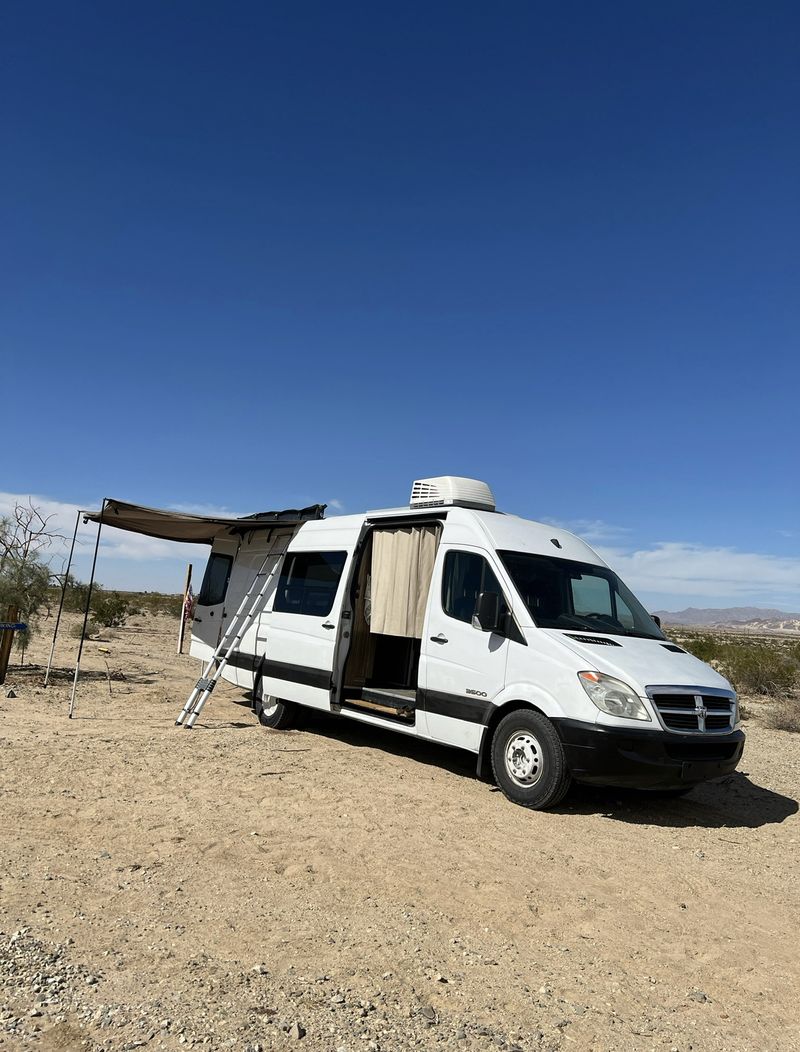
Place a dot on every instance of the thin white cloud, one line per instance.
(682, 569)
(114, 544)
(215, 511)
(591, 530)
(336, 504)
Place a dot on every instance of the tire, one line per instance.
(271, 711)
(528, 760)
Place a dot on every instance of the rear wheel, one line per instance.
(271, 711)
(528, 761)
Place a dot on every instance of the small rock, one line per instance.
(296, 1031)
(260, 969)
(11, 694)
(429, 1012)
(699, 995)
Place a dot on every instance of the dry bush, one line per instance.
(756, 669)
(92, 629)
(157, 603)
(784, 716)
(753, 666)
(112, 609)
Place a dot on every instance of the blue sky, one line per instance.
(256, 255)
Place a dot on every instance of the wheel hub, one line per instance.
(266, 702)
(524, 761)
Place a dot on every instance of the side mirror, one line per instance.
(487, 612)
(657, 619)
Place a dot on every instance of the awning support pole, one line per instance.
(61, 600)
(186, 588)
(86, 611)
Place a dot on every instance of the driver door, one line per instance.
(462, 669)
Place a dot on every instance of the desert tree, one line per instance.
(26, 535)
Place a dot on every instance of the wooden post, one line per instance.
(186, 588)
(6, 639)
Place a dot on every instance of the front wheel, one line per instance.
(271, 711)
(528, 760)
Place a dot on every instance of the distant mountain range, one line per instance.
(745, 617)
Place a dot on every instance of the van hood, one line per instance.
(641, 662)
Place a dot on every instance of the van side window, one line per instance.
(215, 580)
(308, 582)
(465, 576)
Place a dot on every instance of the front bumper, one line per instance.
(646, 759)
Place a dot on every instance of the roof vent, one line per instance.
(448, 489)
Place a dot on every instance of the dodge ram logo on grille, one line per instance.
(700, 711)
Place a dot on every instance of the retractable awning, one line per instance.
(194, 529)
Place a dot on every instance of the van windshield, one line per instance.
(561, 593)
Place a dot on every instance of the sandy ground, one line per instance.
(336, 888)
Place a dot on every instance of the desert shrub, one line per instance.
(752, 666)
(784, 716)
(703, 646)
(158, 603)
(92, 629)
(111, 609)
(754, 669)
(75, 594)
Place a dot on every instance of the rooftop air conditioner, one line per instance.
(453, 491)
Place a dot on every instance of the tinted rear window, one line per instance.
(308, 582)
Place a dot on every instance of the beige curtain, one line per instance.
(402, 567)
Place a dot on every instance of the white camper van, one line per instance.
(450, 621)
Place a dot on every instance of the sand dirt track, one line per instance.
(233, 887)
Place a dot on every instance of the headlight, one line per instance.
(613, 696)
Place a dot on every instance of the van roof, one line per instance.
(464, 526)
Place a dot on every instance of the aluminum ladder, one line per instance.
(229, 643)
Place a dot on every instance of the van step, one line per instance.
(393, 704)
(394, 697)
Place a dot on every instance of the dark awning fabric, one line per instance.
(194, 529)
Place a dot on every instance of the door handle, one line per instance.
(441, 638)
(328, 624)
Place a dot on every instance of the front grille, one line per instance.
(693, 711)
